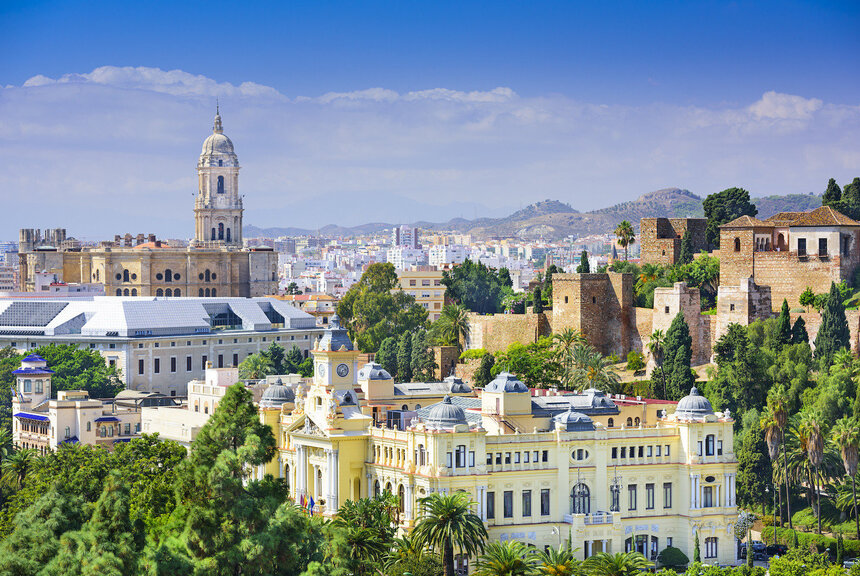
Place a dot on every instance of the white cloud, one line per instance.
(114, 150)
(778, 106)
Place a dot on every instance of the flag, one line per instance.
(302, 500)
(311, 505)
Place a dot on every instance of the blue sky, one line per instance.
(435, 109)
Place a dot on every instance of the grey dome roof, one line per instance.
(445, 415)
(457, 386)
(277, 395)
(335, 337)
(506, 382)
(373, 371)
(218, 147)
(693, 405)
(574, 421)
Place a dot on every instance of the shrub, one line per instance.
(672, 557)
(635, 361)
(613, 358)
(475, 354)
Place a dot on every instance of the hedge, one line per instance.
(806, 540)
(474, 354)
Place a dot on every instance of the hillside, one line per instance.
(553, 220)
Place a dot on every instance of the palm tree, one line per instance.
(656, 345)
(809, 433)
(593, 370)
(509, 558)
(558, 562)
(846, 436)
(16, 466)
(255, 367)
(5, 444)
(402, 549)
(618, 564)
(365, 547)
(625, 234)
(773, 437)
(777, 402)
(565, 343)
(447, 522)
(453, 325)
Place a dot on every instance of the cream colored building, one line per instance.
(214, 264)
(540, 469)
(43, 424)
(425, 284)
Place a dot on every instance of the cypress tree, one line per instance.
(686, 254)
(677, 354)
(832, 195)
(293, 360)
(783, 325)
(683, 379)
(404, 358)
(484, 375)
(276, 355)
(537, 307)
(422, 363)
(584, 267)
(697, 554)
(833, 334)
(387, 355)
(798, 331)
(754, 469)
(840, 548)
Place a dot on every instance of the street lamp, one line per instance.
(615, 491)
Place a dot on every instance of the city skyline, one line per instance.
(351, 114)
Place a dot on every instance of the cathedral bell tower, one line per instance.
(218, 207)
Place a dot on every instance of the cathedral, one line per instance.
(213, 264)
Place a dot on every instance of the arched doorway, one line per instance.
(580, 499)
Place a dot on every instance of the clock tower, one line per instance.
(335, 359)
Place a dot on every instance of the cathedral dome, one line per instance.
(445, 415)
(693, 406)
(277, 395)
(217, 146)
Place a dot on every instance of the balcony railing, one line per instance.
(591, 519)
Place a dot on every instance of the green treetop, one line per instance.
(783, 325)
(404, 358)
(833, 334)
(724, 207)
(754, 469)
(584, 267)
(387, 355)
(686, 254)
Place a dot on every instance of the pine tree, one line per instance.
(404, 358)
(686, 254)
(584, 267)
(783, 325)
(276, 355)
(798, 331)
(293, 360)
(387, 355)
(537, 307)
(422, 363)
(483, 375)
(833, 334)
(754, 469)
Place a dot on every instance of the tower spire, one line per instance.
(218, 128)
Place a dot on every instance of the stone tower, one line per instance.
(218, 208)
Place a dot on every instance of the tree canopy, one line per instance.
(475, 286)
(723, 207)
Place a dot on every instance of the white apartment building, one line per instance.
(441, 255)
(403, 258)
(159, 344)
(405, 236)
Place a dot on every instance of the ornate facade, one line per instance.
(611, 473)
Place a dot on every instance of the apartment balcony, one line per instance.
(580, 521)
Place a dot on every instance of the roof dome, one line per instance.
(218, 148)
(445, 415)
(506, 382)
(373, 371)
(574, 421)
(277, 395)
(335, 337)
(693, 406)
(457, 386)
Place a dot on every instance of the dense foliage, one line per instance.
(724, 207)
(476, 286)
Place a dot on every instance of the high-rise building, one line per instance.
(405, 236)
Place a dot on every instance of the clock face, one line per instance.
(342, 370)
(321, 369)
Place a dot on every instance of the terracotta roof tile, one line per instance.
(824, 216)
(746, 221)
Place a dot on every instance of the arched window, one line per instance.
(119, 291)
(103, 432)
(168, 275)
(636, 422)
(207, 274)
(206, 408)
(376, 491)
(737, 244)
(401, 498)
(177, 292)
(159, 292)
(110, 431)
(207, 292)
(404, 407)
(214, 292)
(220, 184)
(388, 488)
(125, 292)
(709, 445)
(168, 292)
(287, 477)
(228, 235)
(220, 230)
(580, 499)
(134, 291)
(98, 274)
(611, 423)
(125, 275)
(630, 421)
(220, 162)
(418, 407)
(200, 291)
(421, 454)
(213, 233)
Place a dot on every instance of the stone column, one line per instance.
(605, 543)
(280, 467)
(368, 490)
(335, 480)
(328, 474)
(728, 491)
(692, 491)
(407, 506)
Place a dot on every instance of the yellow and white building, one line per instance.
(425, 284)
(611, 475)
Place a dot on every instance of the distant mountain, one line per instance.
(553, 220)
